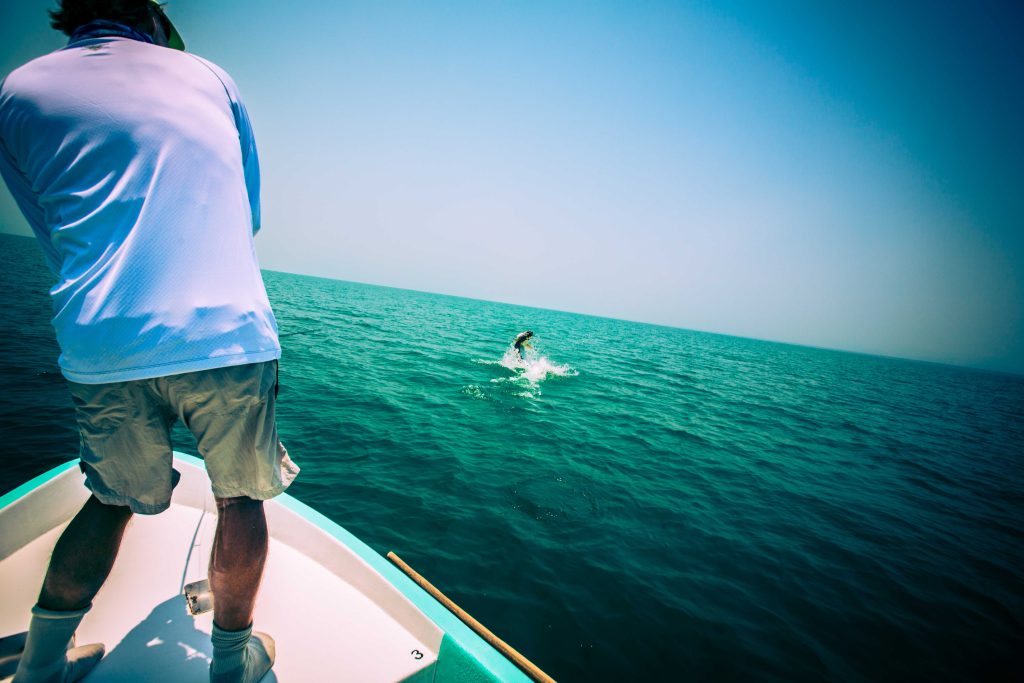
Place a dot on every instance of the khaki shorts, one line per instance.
(125, 435)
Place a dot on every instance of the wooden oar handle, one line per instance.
(500, 645)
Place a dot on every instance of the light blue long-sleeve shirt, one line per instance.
(135, 166)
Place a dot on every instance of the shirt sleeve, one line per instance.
(28, 202)
(250, 161)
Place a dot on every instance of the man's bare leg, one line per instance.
(236, 565)
(236, 568)
(81, 562)
(84, 556)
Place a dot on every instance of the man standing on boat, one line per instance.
(134, 164)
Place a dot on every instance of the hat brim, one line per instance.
(174, 40)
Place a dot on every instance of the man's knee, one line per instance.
(108, 509)
(240, 503)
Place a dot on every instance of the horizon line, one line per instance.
(976, 368)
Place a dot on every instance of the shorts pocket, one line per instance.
(101, 409)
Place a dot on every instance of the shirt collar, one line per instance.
(101, 28)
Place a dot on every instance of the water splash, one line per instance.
(527, 374)
(532, 368)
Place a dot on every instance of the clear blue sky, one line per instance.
(845, 175)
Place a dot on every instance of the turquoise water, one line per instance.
(638, 502)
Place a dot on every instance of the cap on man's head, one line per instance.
(138, 14)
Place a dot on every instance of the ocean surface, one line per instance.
(632, 503)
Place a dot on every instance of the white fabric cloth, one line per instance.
(136, 168)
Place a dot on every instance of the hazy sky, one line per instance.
(846, 175)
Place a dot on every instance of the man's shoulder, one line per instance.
(29, 73)
(221, 74)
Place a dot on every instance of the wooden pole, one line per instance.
(500, 645)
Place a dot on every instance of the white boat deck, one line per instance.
(333, 617)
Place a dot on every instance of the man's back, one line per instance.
(135, 166)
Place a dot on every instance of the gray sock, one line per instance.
(240, 656)
(46, 658)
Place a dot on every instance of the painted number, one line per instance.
(416, 654)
